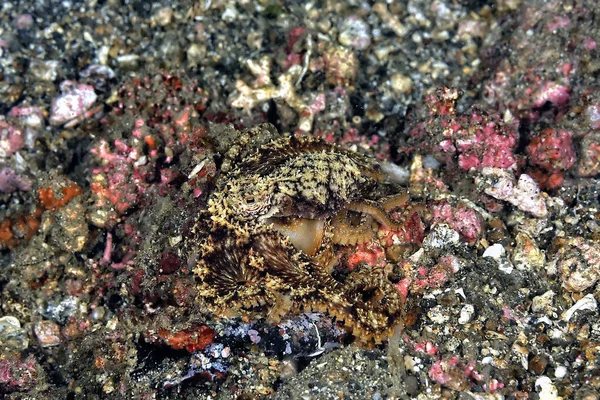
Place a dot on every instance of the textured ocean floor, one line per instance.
(415, 217)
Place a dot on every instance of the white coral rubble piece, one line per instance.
(525, 194)
(395, 173)
(263, 89)
(74, 101)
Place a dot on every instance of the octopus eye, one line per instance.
(253, 203)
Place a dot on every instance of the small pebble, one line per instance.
(128, 61)
(543, 303)
(560, 371)
(440, 237)
(355, 33)
(466, 313)
(12, 335)
(527, 255)
(524, 194)
(99, 313)
(401, 83)
(538, 364)
(163, 16)
(24, 21)
(578, 264)
(44, 70)
(546, 389)
(47, 333)
(495, 251)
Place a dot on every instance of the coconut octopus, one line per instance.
(279, 207)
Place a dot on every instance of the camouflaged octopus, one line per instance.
(279, 207)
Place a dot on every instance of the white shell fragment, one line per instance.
(587, 302)
(546, 389)
(498, 253)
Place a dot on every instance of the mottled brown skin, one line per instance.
(291, 176)
(247, 267)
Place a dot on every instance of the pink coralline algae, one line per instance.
(126, 174)
(421, 274)
(160, 114)
(457, 375)
(28, 115)
(449, 373)
(18, 375)
(11, 181)
(552, 150)
(373, 252)
(485, 143)
(554, 93)
(435, 277)
(413, 231)
(12, 139)
(528, 84)
(466, 221)
(426, 347)
(143, 161)
(74, 101)
(47, 333)
(114, 185)
(32, 120)
(164, 107)
(370, 253)
(476, 138)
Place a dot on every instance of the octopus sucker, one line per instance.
(392, 202)
(376, 211)
(280, 208)
(351, 232)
